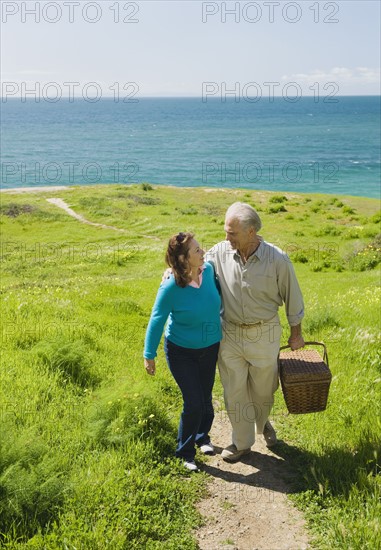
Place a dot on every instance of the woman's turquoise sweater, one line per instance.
(194, 315)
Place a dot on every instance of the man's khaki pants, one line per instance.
(248, 368)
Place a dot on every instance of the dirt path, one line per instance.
(247, 507)
(62, 204)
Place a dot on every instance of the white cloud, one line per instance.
(341, 75)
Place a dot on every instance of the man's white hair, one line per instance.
(245, 214)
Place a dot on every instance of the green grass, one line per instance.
(87, 439)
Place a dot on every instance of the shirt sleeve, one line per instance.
(290, 292)
(160, 311)
(210, 258)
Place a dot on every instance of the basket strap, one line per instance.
(310, 343)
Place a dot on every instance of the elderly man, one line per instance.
(256, 278)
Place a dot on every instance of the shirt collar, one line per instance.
(192, 283)
(258, 253)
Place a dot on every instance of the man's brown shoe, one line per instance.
(269, 434)
(232, 454)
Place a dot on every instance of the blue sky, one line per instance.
(174, 47)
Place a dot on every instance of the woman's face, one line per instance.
(195, 254)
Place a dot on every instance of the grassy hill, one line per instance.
(87, 438)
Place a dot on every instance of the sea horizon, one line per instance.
(15, 97)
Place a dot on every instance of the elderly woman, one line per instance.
(191, 301)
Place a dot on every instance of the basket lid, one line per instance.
(303, 363)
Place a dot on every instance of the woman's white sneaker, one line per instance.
(207, 449)
(190, 465)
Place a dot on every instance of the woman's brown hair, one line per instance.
(177, 257)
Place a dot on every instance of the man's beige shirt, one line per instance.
(253, 291)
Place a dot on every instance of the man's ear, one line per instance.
(252, 233)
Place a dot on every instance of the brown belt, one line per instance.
(246, 325)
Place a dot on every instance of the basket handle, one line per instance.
(325, 356)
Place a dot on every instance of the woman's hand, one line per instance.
(150, 366)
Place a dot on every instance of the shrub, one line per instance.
(278, 198)
(14, 210)
(370, 232)
(364, 261)
(277, 208)
(120, 421)
(32, 484)
(69, 359)
(299, 257)
(143, 200)
(376, 218)
(367, 257)
(190, 211)
(147, 187)
(332, 230)
(354, 232)
(348, 210)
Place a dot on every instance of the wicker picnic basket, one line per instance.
(305, 379)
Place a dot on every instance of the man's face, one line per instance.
(239, 237)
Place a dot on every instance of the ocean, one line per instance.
(309, 145)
